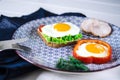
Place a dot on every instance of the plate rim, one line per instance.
(62, 71)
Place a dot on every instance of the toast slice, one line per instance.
(53, 44)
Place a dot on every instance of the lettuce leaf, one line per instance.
(62, 40)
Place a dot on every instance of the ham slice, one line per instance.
(101, 29)
(86, 25)
(96, 27)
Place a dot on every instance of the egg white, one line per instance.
(83, 52)
(50, 31)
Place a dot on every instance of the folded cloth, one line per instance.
(11, 65)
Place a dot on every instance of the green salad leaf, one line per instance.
(71, 65)
(64, 39)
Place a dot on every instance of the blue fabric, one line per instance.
(11, 65)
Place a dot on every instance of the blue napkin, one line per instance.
(11, 65)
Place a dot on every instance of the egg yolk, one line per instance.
(95, 48)
(61, 27)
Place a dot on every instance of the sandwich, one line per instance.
(59, 34)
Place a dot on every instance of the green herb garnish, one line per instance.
(71, 65)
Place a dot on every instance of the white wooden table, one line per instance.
(107, 10)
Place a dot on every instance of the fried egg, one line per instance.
(60, 29)
(92, 49)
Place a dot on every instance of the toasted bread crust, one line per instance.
(51, 44)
